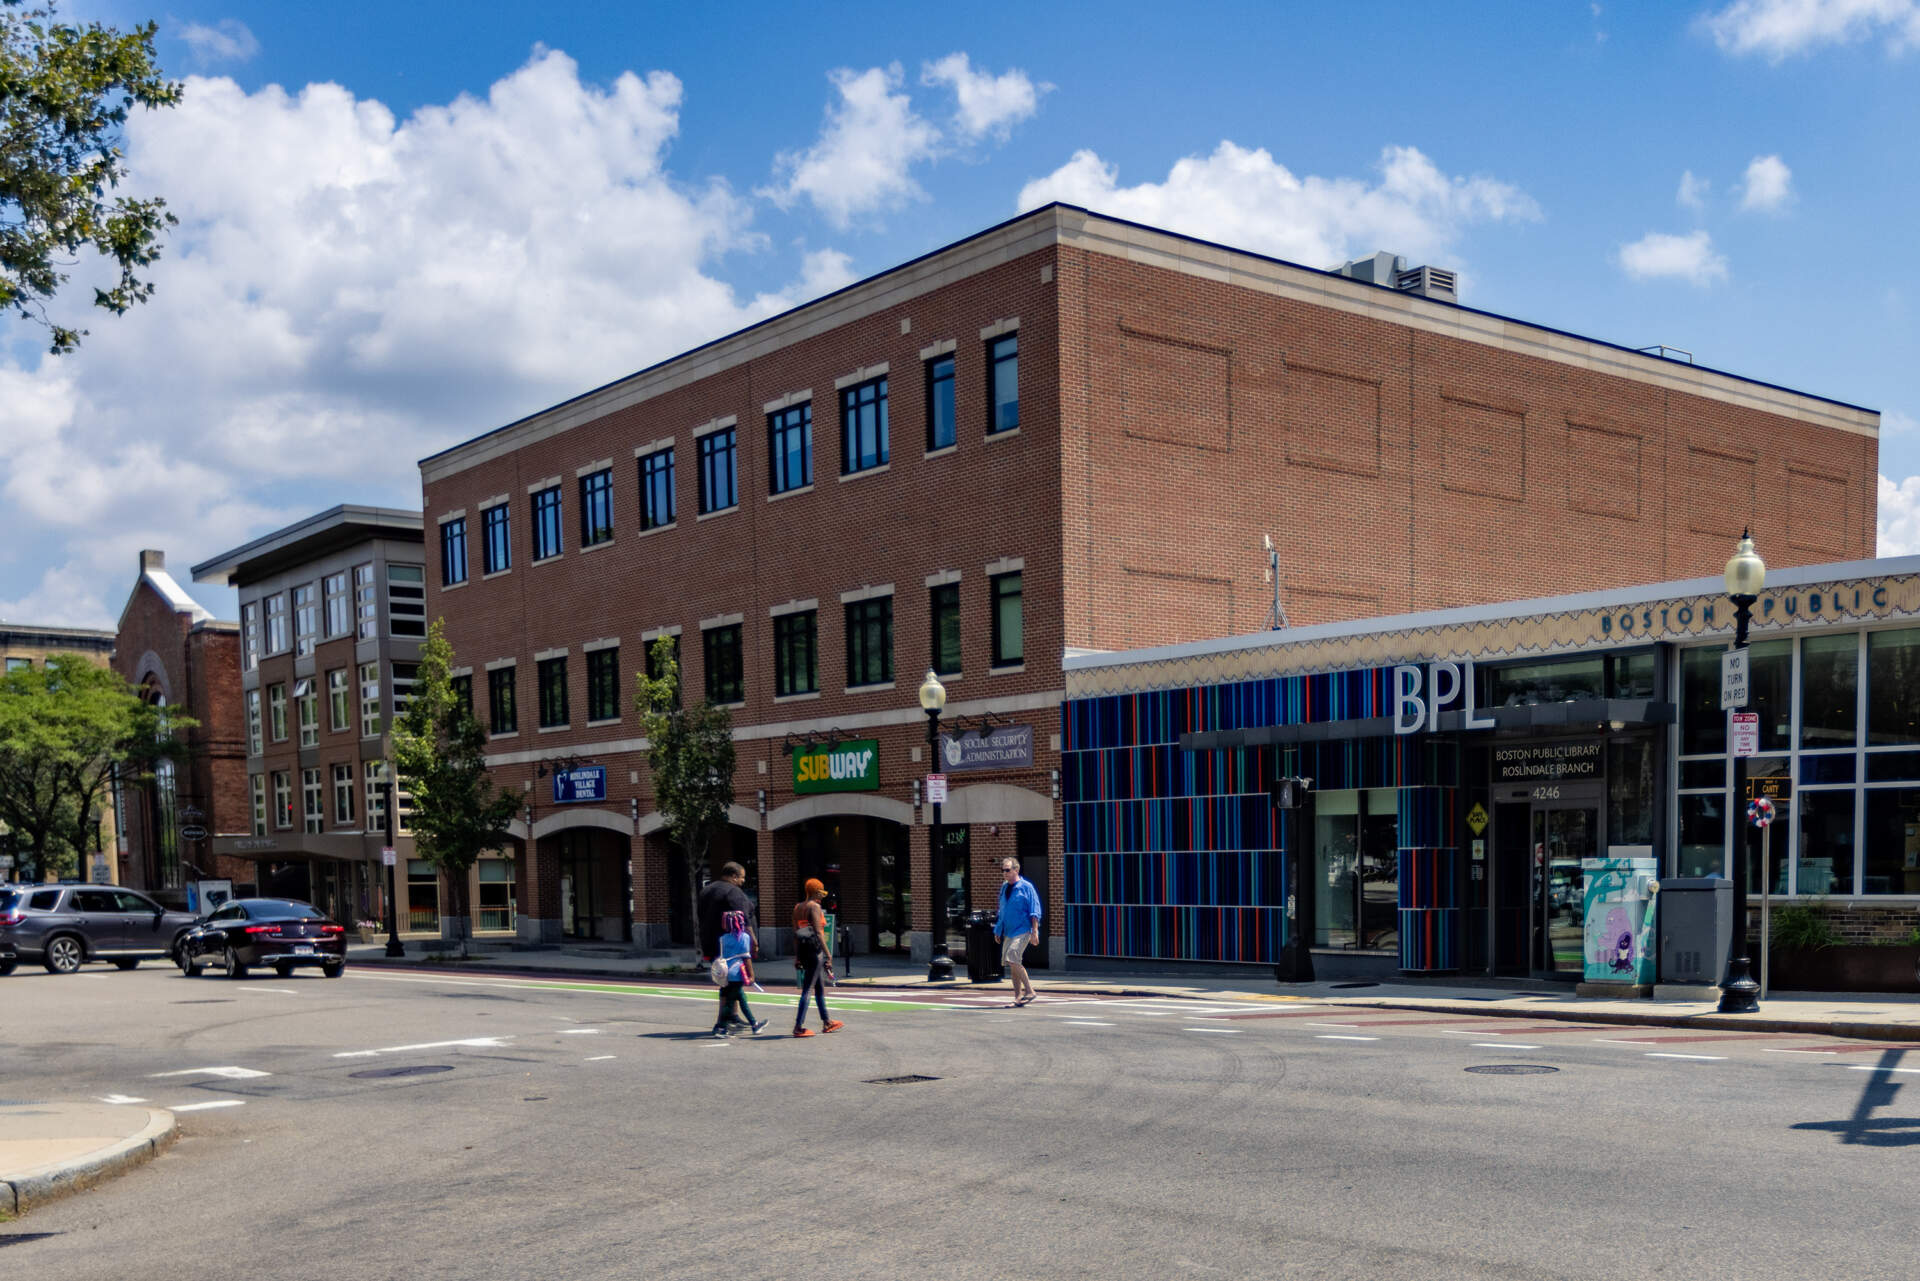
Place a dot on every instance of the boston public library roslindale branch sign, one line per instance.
(837, 767)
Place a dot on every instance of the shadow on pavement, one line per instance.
(1865, 1129)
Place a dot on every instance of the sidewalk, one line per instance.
(1867, 1016)
(51, 1150)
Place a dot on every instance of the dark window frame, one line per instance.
(719, 452)
(869, 642)
(1004, 350)
(453, 551)
(942, 385)
(995, 594)
(863, 413)
(596, 507)
(551, 673)
(603, 684)
(786, 429)
(656, 489)
(796, 653)
(549, 540)
(943, 604)
(503, 712)
(723, 661)
(496, 541)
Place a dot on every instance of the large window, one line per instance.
(277, 712)
(596, 508)
(366, 605)
(1893, 687)
(249, 636)
(941, 421)
(339, 605)
(496, 894)
(407, 600)
(306, 617)
(603, 685)
(502, 716)
(1009, 623)
(277, 624)
(403, 678)
(546, 523)
(656, 489)
(374, 774)
(725, 681)
(870, 641)
(254, 744)
(343, 790)
(790, 448)
(313, 802)
(259, 804)
(453, 551)
(339, 709)
(1829, 690)
(307, 700)
(496, 551)
(553, 692)
(1003, 384)
(796, 653)
(1356, 838)
(863, 426)
(369, 700)
(719, 470)
(282, 799)
(943, 603)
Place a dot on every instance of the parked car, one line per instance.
(65, 926)
(283, 933)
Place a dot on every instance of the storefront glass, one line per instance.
(1893, 687)
(1703, 835)
(1631, 800)
(1555, 681)
(1380, 870)
(1892, 848)
(497, 907)
(1336, 852)
(423, 896)
(1703, 726)
(1824, 856)
(1829, 690)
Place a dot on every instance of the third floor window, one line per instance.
(725, 681)
(453, 552)
(496, 552)
(790, 448)
(863, 426)
(553, 692)
(1003, 383)
(656, 489)
(546, 523)
(796, 654)
(719, 470)
(940, 413)
(870, 641)
(596, 508)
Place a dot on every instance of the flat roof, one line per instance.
(334, 529)
(47, 636)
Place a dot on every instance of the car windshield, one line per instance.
(273, 908)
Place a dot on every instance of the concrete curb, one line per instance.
(36, 1187)
(1653, 1018)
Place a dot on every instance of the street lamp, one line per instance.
(1746, 575)
(394, 946)
(933, 700)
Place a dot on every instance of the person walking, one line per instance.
(1017, 926)
(717, 899)
(813, 954)
(736, 954)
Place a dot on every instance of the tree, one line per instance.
(690, 756)
(64, 728)
(439, 753)
(65, 91)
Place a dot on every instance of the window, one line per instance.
(276, 624)
(502, 718)
(870, 641)
(254, 745)
(423, 896)
(553, 692)
(462, 689)
(307, 701)
(940, 414)
(339, 615)
(1829, 690)
(369, 700)
(342, 795)
(407, 600)
(403, 674)
(282, 799)
(655, 671)
(259, 804)
(19, 664)
(313, 803)
(375, 773)
(546, 523)
(725, 682)
(277, 712)
(366, 608)
(944, 606)
(339, 714)
(453, 551)
(496, 894)
(596, 508)
(1893, 687)
(496, 552)
(603, 685)
(790, 448)
(863, 426)
(1003, 383)
(719, 478)
(249, 637)
(796, 653)
(306, 617)
(1009, 641)
(656, 489)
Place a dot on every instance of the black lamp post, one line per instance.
(933, 700)
(394, 946)
(1746, 575)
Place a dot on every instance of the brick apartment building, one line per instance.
(30, 645)
(1064, 434)
(174, 652)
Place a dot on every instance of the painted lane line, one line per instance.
(601, 1058)
(122, 1098)
(697, 995)
(1876, 1048)
(476, 1042)
(1085, 1023)
(255, 991)
(1698, 1058)
(579, 1031)
(1602, 1040)
(1415, 1022)
(230, 1073)
(1283, 1014)
(1775, 1050)
(1868, 1067)
(1329, 1025)
(1333, 1036)
(1718, 1036)
(1451, 1031)
(206, 1107)
(1502, 1045)
(1217, 1031)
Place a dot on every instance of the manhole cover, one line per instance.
(412, 1069)
(20, 1238)
(913, 1079)
(1361, 983)
(1512, 1069)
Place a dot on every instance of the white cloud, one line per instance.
(1248, 199)
(1689, 257)
(1768, 184)
(1778, 29)
(1895, 423)
(346, 293)
(1693, 191)
(859, 164)
(987, 104)
(1897, 526)
(227, 40)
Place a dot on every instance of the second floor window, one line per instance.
(338, 712)
(282, 799)
(502, 716)
(1003, 383)
(940, 412)
(790, 448)
(863, 426)
(307, 699)
(796, 653)
(596, 508)
(276, 624)
(944, 607)
(496, 550)
(870, 641)
(655, 671)
(339, 615)
(259, 804)
(1009, 625)
(407, 600)
(312, 802)
(725, 681)
(603, 685)
(656, 489)
(254, 745)
(553, 692)
(369, 700)
(453, 552)
(719, 470)
(277, 712)
(343, 790)
(546, 523)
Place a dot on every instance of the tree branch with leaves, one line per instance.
(690, 758)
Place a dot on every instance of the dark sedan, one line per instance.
(277, 932)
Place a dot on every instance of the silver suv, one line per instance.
(65, 926)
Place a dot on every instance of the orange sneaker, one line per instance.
(833, 1025)
(805, 1031)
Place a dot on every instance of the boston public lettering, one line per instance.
(843, 767)
(1550, 762)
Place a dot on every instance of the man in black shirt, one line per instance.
(716, 900)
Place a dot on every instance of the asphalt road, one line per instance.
(405, 1125)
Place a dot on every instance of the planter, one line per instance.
(368, 936)
(1852, 967)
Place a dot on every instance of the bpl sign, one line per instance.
(1420, 693)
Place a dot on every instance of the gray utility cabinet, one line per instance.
(1696, 928)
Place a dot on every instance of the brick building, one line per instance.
(1095, 424)
(174, 652)
(29, 645)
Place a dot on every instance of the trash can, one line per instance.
(983, 954)
(1696, 929)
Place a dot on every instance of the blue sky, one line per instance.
(403, 225)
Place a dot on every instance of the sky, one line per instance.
(404, 225)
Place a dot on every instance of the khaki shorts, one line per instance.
(1012, 949)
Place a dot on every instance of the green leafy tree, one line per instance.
(439, 754)
(690, 756)
(65, 92)
(64, 729)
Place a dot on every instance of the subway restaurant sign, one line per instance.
(843, 767)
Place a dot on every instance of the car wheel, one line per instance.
(334, 971)
(189, 966)
(284, 971)
(64, 954)
(7, 967)
(126, 963)
(235, 970)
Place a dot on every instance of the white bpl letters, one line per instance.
(1439, 691)
(1406, 694)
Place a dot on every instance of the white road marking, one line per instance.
(1502, 1045)
(1085, 1023)
(230, 1073)
(122, 1098)
(1334, 1036)
(1768, 1050)
(1217, 1031)
(1329, 1025)
(601, 1057)
(477, 1042)
(1699, 1058)
(579, 1031)
(1601, 1040)
(1868, 1067)
(205, 1107)
(1454, 1031)
(254, 991)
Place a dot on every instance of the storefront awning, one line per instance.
(1531, 718)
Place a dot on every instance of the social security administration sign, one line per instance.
(839, 767)
(582, 783)
(1004, 747)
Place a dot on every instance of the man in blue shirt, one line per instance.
(1017, 926)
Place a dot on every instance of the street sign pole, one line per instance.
(1295, 797)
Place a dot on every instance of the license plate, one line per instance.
(304, 947)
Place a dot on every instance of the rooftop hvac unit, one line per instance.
(1428, 282)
